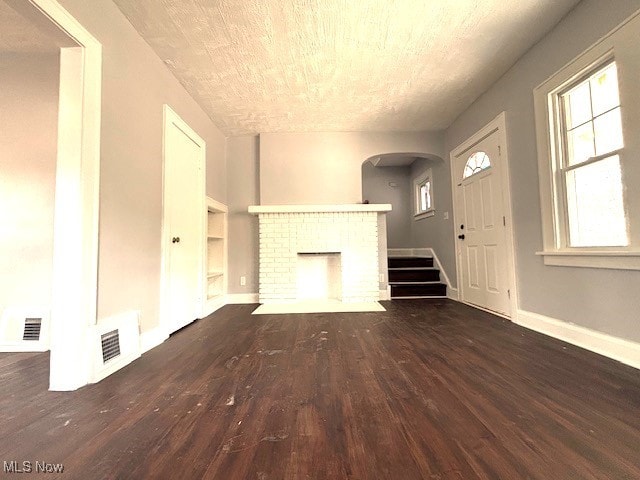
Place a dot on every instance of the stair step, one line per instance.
(400, 262)
(418, 290)
(414, 275)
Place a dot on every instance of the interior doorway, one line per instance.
(68, 309)
(482, 220)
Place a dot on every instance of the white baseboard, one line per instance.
(152, 338)
(214, 304)
(619, 349)
(452, 293)
(385, 294)
(23, 347)
(238, 298)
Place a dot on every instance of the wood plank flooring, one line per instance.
(429, 389)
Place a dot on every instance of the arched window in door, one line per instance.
(476, 163)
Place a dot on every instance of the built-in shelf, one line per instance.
(216, 252)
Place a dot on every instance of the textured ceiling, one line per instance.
(19, 35)
(339, 65)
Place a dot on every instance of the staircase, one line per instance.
(415, 277)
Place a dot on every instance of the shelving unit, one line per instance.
(216, 255)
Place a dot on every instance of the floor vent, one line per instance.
(110, 345)
(32, 327)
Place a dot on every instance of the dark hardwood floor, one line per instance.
(427, 390)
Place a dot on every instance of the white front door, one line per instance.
(480, 229)
(183, 204)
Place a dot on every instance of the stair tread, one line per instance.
(412, 268)
(410, 257)
(416, 297)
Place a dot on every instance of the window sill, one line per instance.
(427, 214)
(617, 260)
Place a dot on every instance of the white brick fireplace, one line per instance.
(323, 256)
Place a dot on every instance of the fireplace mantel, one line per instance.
(355, 207)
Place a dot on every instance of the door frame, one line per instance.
(77, 194)
(498, 125)
(170, 117)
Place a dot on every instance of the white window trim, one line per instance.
(417, 182)
(555, 238)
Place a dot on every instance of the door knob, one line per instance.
(461, 237)
(175, 240)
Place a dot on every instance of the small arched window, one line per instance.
(476, 163)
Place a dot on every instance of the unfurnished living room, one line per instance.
(306, 239)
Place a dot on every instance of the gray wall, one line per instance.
(325, 168)
(300, 168)
(376, 189)
(135, 85)
(604, 300)
(28, 141)
(243, 190)
(436, 231)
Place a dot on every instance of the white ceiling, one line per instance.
(20, 35)
(339, 65)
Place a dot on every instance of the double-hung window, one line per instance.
(423, 195)
(590, 131)
(587, 120)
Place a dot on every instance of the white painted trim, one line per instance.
(368, 207)
(498, 124)
(214, 304)
(242, 298)
(452, 294)
(385, 294)
(170, 117)
(619, 349)
(624, 260)
(215, 205)
(152, 338)
(76, 209)
(128, 326)
(14, 347)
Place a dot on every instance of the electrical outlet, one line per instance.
(381, 277)
(243, 281)
(446, 215)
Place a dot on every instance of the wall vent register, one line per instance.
(110, 345)
(32, 327)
